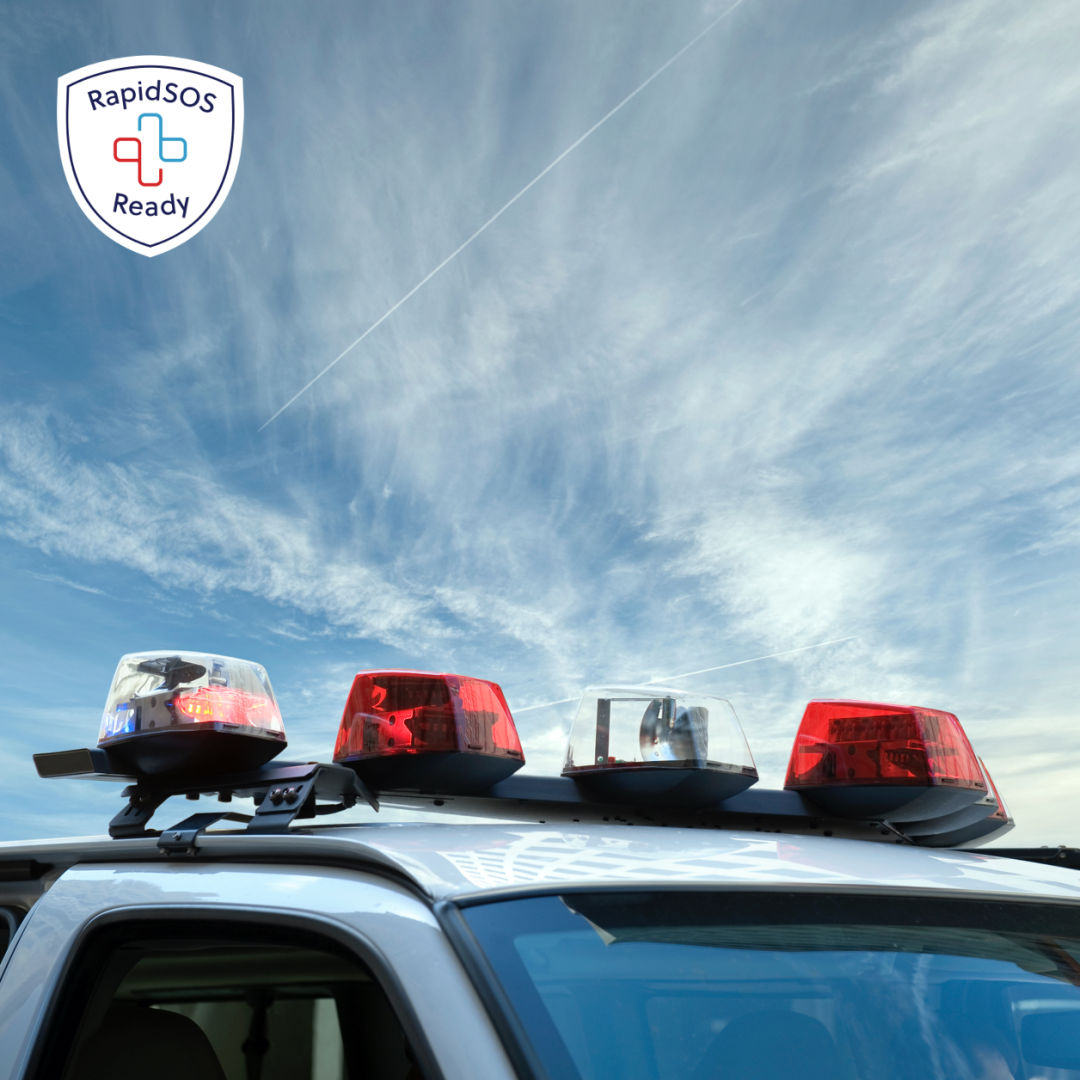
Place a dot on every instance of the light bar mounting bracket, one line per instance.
(282, 791)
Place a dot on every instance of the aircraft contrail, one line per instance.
(502, 210)
(753, 659)
(703, 671)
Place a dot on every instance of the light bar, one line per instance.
(170, 712)
(636, 742)
(893, 762)
(415, 731)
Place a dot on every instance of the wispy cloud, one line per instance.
(477, 233)
(56, 579)
(185, 531)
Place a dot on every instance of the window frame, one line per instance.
(64, 1002)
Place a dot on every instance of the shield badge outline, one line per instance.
(228, 84)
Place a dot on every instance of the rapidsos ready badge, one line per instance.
(150, 146)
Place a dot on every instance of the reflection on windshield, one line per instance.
(697, 986)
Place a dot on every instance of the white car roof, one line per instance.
(462, 861)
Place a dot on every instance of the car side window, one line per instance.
(171, 999)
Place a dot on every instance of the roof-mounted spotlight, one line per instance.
(636, 742)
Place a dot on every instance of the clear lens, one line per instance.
(156, 691)
(617, 726)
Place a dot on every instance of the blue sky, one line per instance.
(783, 353)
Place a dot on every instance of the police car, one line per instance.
(648, 915)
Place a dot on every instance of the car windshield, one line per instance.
(697, 985)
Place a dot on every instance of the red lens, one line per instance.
(222, 705)
(849, 743)
(406, 712)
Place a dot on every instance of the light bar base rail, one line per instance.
(284, 792)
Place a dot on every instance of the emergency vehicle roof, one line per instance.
(468, 861)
